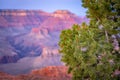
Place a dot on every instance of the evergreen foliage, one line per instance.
(92, 52)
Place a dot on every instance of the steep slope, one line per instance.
(22, 18)
(47, 73)
(7, 52)
(61, 19)
(30, 37)
(53, 73)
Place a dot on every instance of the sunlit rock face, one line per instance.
(53, 73)
(64, 14)
(30, 37)
(22, 18)
(4, 76)
(61, 19)
(47, 73)
(49, 52)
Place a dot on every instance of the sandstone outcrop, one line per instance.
(47, 73)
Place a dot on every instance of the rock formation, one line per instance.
(30, 37)
(47, 73)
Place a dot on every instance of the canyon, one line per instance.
(29, 39)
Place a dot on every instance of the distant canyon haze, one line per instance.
(29, 38)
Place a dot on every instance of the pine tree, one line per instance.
(92, 52)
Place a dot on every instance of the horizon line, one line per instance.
(41, 10)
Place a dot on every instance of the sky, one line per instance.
(74, 6)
